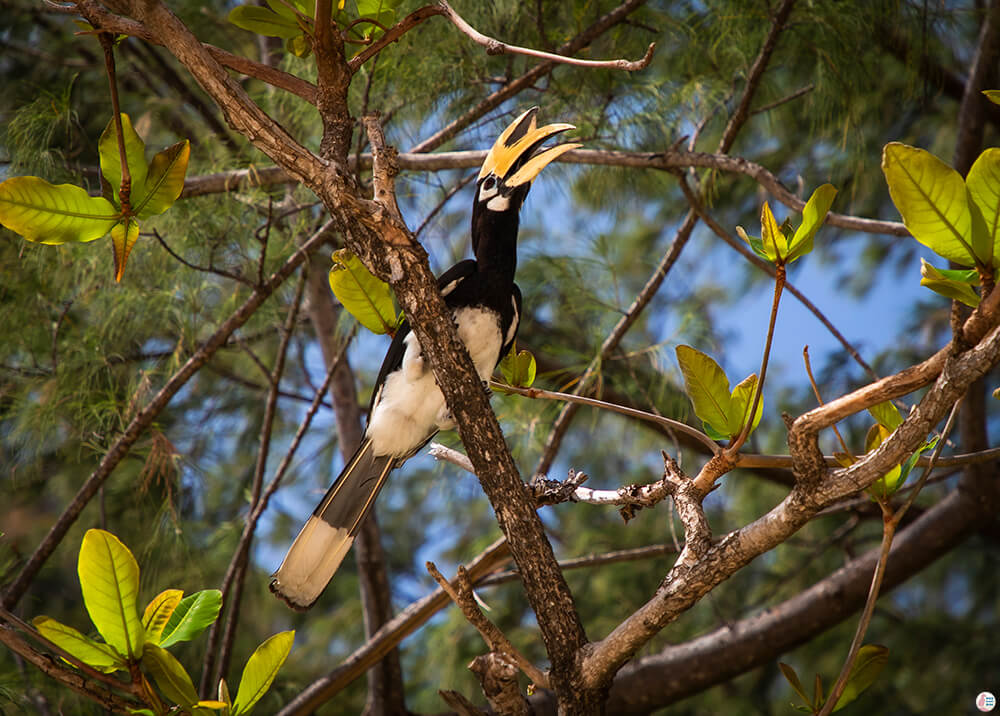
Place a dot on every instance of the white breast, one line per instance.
(410, 406)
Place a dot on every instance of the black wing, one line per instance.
(394, 356)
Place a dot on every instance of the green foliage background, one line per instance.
(79, 354)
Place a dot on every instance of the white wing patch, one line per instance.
(512, 331)
(410, 402)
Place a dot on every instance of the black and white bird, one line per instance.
(407, 407)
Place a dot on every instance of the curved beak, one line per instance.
(515, 156)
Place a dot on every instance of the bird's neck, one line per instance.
(495, 245)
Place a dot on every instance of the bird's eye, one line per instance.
(489, 183)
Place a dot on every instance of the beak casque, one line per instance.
(521, 138)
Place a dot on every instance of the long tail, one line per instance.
(328, 535)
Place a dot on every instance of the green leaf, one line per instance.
(887, 415)
(885, 486)
(158, 612)
(870, 662)
(51, 214)
(261, 668)
(789, 673)
(992, 95)
(813, 215)
(293, 8)
(164, 181)
(264, 22)
(169, 675)
(953, 284)
(101, 656)
(983, 182)
(124, 234)
(911, 461)
(739, 411)
(192, 616)
(518, 368)
(775, 243)
(365, 297)
(931, 198)
(111, 163)
(109, 579)
(707, 386)
(755, 243)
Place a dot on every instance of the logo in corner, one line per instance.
(986, 701)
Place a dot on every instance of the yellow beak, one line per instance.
(521, 138)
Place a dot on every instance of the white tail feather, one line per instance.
(311, 562)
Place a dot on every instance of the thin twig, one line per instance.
(495, 47)
(891, 520)
(819, 399)
(233, 590)
(496, 640)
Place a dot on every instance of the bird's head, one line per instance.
(514, 161)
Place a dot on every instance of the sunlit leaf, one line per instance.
(111, 164)
(518, 368)
(775, 243)
(123, 237)
(264, 21)
(158, 612)
(992, 95)
(101, 656)
(170, 677)
(707, 387)
(261, 668)
(870, 662)
(367, 298)
(983, 182)
(192, 616)
(813, 214)
(224, 696)
(887, 415)
(109, 579)
(739, 410)
(164, 181)
(300, 46)
(886, 485)
(911, 462)
(51, 214)
(953, 284)
(931, 198)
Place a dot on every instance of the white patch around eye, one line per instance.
(498, 203)
(488, 190)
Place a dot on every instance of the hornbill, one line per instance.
(407, 407)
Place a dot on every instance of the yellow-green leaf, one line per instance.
(983, 182)
(870, 662)
(51, 214)
(518, 368)
(101, 656)
(261, 668)
(992, 95)
(931, 198)
(365, 297)
(739, 410)
(887, 415)
(111, 163)
(813, 215)
(707, 387)
(170, 677)
(109, 579)
(123, 237)
(775, 243)
(158, 612)
(956, 285)
(164, 181)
